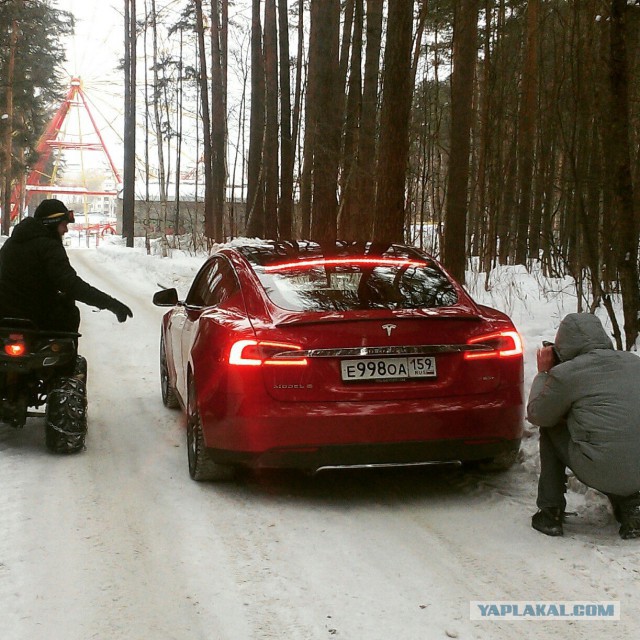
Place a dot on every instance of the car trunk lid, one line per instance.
(388, 356)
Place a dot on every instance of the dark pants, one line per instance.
(554, 461)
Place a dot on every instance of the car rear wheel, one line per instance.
(502, 462)
(201, 467)
(169, 397)
(66, 416)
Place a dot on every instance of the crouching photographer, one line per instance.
(586, 401)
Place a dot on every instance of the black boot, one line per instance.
(629, 511)
(548, 521)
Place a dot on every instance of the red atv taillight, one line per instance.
(16, 346)
(256, 353)
(503, 344)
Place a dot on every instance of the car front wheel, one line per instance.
(201, 467)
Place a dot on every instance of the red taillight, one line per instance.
(347, 262)
(16, 347)
(503, 344)
(256, 353)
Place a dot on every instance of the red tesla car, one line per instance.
(293, 354)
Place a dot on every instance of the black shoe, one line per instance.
(617, 513)
(630, 520)
(548, 521)
(620, 503)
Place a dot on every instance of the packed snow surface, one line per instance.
(119, 543)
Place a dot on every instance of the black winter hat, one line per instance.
(53, 211)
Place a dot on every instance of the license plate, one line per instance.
(363, 369)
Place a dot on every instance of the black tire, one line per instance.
(80, 369)
(201, 467)
(66, 418)
(169, 397)
(502, 462)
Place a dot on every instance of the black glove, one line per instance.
(121, 311)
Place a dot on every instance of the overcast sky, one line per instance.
(98, 43)
(93, 54)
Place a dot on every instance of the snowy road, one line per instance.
(119, 543)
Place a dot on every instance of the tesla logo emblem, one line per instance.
(389, 328)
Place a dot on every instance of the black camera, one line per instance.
(556, 357)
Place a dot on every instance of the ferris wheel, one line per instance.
(73, 128)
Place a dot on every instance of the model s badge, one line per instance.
(389, 328)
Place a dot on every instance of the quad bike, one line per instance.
(43, 368)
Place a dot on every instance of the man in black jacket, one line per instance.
(36, 279)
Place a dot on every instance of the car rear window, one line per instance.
(320, 284)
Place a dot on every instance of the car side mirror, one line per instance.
(165, 298)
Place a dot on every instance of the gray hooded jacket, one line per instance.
(596, 389)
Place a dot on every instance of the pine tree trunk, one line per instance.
(255, 178)
(297, 102)
(310, 124)
(285, 205)
(621, 167)
(395, 115)
(209, 230)
(352, 121)
(365, 170)
(271, 186)
(464, 61)
(218, 123)
(325, 22)
(526, 130)
(8, 136)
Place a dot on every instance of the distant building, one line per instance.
(153, 218)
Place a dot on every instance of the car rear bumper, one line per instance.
(369, 455)
(312, 435)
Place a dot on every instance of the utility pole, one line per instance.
(129, 174)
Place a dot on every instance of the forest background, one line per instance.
(489, 132)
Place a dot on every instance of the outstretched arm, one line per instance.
(65, 279)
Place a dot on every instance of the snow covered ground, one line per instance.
(119, 543)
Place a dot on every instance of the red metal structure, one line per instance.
(53, 138)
